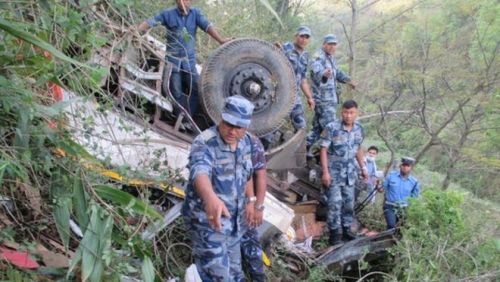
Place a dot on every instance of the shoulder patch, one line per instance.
(207, 135)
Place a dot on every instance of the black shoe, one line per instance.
(348, 234)
(335, 237)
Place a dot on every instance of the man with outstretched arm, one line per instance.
(182, 22)
(219, 191)
(324, 76)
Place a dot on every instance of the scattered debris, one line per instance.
(51, 259)
(192, 274)
(20, 259)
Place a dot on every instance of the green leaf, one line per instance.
(125, 199)
(2, 170)
(95, 243)
(61, 198)
(148, 270)
(54, 109)
(271, 9)
(16, 31)
(80, 203)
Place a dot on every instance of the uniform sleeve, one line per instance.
(342, 77)
(160, 18)
(200, 160)
(201, 21)
(317, 69)
(415, 192)
(326, 137)
(362, 135)
(304, 71)
(258, 154)
(386, 182)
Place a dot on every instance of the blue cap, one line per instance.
(303, 30)
(237, 111)
(330, 38)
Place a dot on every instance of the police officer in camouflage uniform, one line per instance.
(220, 184)
(251, 249)
(299, 58)
(324, 77)
(340, 148)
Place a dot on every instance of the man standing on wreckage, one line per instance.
(219, 191)
(340, 147)
(182, 23)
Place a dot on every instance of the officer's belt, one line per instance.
(396, 205)
(327, 103)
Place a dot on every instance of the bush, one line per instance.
(445, 238)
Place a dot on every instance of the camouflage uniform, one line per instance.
(217, 254)
(342, 149)
(299, 61)
(324, 92)
(250, 245)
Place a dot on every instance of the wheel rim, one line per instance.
(253, 82)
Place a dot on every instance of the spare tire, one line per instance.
(255, 70)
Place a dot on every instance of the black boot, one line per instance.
(348, 234)
(335, 237)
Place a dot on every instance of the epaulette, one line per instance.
(208, 134)
(412, 178)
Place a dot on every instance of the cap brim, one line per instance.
(331, 42)
(236, 121)
(304, 33)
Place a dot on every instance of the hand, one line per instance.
(311, 103)
(328, 73)
(364, 173)
(278, 45)
(258, 217)
(326, 179)
(250, 214)
(215, 208)
(225, 40)
(352, 84)
(380, 190)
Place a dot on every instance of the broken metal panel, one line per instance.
(289, 155)
(277, 213)
(123, 141)
(356, 249)
(145, 92)
(170, 216)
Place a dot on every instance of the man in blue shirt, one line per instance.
(370, 185)
(398, 187)
(181, 23)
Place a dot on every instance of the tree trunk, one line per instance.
(352, 38)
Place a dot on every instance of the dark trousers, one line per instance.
(184, 88)
(251, 253)
(391, 218)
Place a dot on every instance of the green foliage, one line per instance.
(94, 248)
(441, 240)
(126, 200)
(28, 37)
